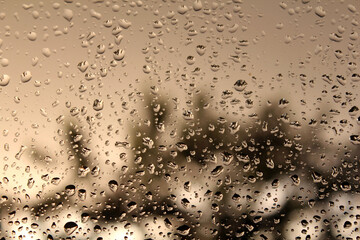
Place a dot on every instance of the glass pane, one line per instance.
(179, 119)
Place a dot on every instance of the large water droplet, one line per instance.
(113, 185)
(98, 104)
(296, 179)
(184, 230)
(4, 80)
(26, 76)
(217, 171)
(197, 5)
(82, 66)
(70, 190)
(68, 14)
(119, 54)
(319, 11)
(32, 36)
(70, 227)
(240, 85)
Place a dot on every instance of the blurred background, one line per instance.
(178, 119)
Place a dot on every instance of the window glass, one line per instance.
(179, 119)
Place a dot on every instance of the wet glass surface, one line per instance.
(174, 119)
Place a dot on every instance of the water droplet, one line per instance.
(100, 49)
(296, 179)
(217, 171)
(4, 80)
(82, 194)
(215, 67)
(275, 183)
(70, 190)
(119, 54)
(148, 142)
(95, 14)
(345, 186)
(168, 224)
(341, 79)
(146, 69)
(243, 43)
(316, 177)
(184, 230)
(182, 9)
(98, 104)
(197, 5)
(26, 76)
(240, 85)
(352, 8)
(355, 139)
(353, 111)
(188, 115)
(234, 127)
(131, 206)
(70, 227)
(20, 152)
(55, 181)
(68, 14)
(30, 182)
(354, 36)
(270, 163)
(32, 36)
(279, 77)
(227, 158)
(34, 225)
(4, 62)
(82, 66)
(283, 103)
(355, 77)
(108, 23)
(34, 61)
(190, 60)
(287, 39)
(226, 94)
(319, 11)
(113, 185)
(347, 224)
(335, 37)
(124, 23)
(181, 146)
(46, 52)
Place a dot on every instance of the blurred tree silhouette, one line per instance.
(238, 161)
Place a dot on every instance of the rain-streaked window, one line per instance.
(179, 119)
